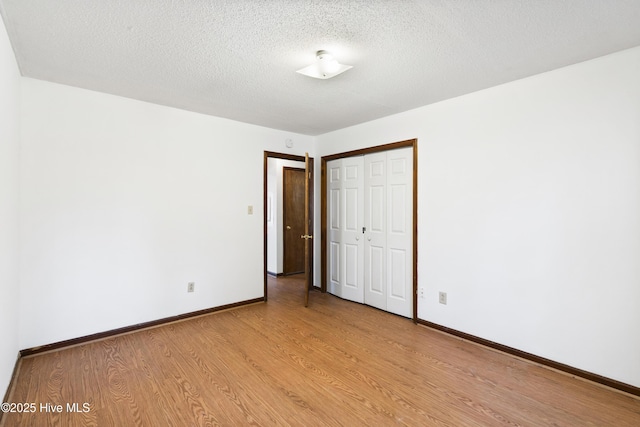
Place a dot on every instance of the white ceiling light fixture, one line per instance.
(325, 66)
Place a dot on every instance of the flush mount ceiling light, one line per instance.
(325, 66)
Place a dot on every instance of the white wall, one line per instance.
(124, 202)
(529, 211)
(9, 149)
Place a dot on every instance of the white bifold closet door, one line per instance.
(346, 216)
(370, 223)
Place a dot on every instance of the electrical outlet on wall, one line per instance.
(421, 292)
(442, 298)
(191, 287)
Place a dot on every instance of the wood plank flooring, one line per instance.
(334, 363)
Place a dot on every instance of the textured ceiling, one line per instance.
(237, 59)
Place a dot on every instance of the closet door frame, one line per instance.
(323, 203)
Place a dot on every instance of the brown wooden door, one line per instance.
(308, 226)
(293, 189)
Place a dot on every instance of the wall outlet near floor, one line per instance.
(442, 298)
(250, 209)
(191, 286)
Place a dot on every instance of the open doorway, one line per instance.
(292, 220)
(280, 241)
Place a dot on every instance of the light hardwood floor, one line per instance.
(334, 363)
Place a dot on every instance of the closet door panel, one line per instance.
(334, 267)
(400, 232)
(370, 229)
(375, 223)
(334, 285)
(351, 238)
(397, 274)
